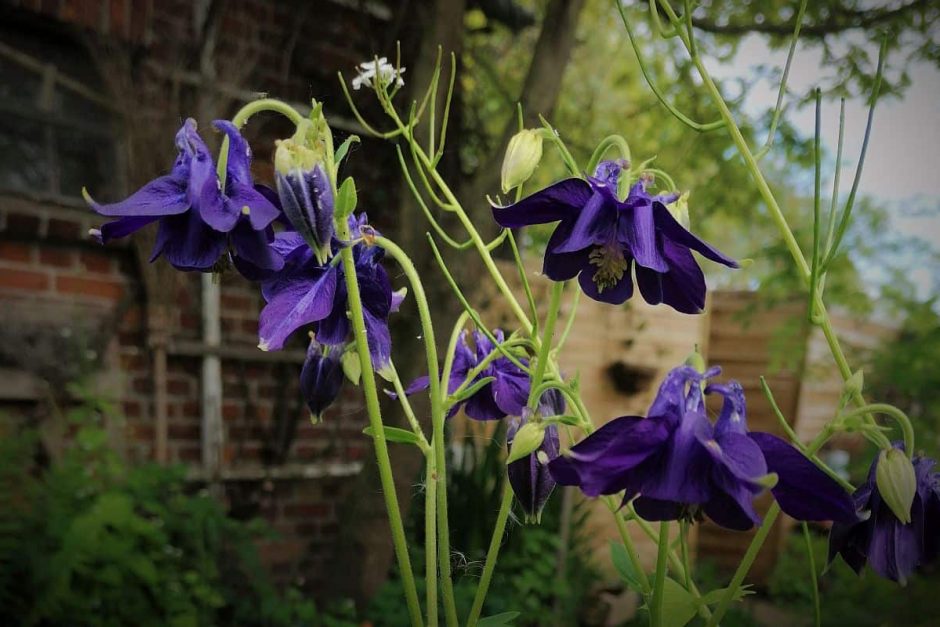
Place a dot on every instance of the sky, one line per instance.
(902, 166)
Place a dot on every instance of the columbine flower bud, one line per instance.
(522, 156)
(320, 379)
(306, 193)
(896, 482)
(680, 209)
(529, 476)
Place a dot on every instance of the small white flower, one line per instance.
(385, 71)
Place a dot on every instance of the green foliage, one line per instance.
(90, 541)
(527, 578)
(849, 599)
(903, 371)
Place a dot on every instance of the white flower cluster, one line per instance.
(382, 69)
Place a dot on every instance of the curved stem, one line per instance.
(491, 554)
(611, 141)
(242, 116)
(378, 433)
(697, 126)
(437, 420)
(903, 422)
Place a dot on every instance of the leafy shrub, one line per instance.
(91, 541)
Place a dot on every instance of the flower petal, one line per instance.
(596, 224)
(123, 227)
(682, 288)
(188, 243)
(678, 234)
(615, 294)
(804, 491)
(296, 304)
(482, 405)
(638, 230)
(556, 202)
(163, 196)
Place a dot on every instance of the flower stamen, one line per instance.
(611, 265)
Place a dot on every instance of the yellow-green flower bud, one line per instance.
(292, 155)
(896, 482)
(528, 438)
(522, 157)
(680, 209)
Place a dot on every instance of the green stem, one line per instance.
(629, 545)
(430, 536)
(437, 420)
(684, 552)
(406, 407)
(812, 572)
(241, 117)
(611, 141)
(491, 554)
(745, 565)
(758, 541)
(907, 429)
(548, 335)
(378, 438)
(656, 611)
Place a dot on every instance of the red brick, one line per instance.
(189, 453)
(231, 411)
(184, 431)
(238, 302)
(22, 224)
(179, 387)
(98, 288)
(23, 280)
(15, 251)
(95, 261)
(57, 257)
(63, 229)
(131, 409)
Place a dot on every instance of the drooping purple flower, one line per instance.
(529, 477)
(197, 219)
(307, 200)
(321, 378)
(600, 238)
(677, 464)
(307, 292)
(893, 549)
(505, 396)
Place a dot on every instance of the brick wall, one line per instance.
(54, 277)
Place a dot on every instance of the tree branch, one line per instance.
(840, 20)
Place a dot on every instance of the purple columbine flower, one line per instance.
(676, 464)
(321, 378)
(307, 292)
(529, 477)
(893, 549)
(505, 396)
(197, 219)
(600, 238)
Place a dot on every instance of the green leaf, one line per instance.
(679, 606)
(714, 596)
(624, 566)
(346, 198)
(344, 148)
(496, 620)
(394, 434)
(352, 368)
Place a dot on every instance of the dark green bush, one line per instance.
(88, 540)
